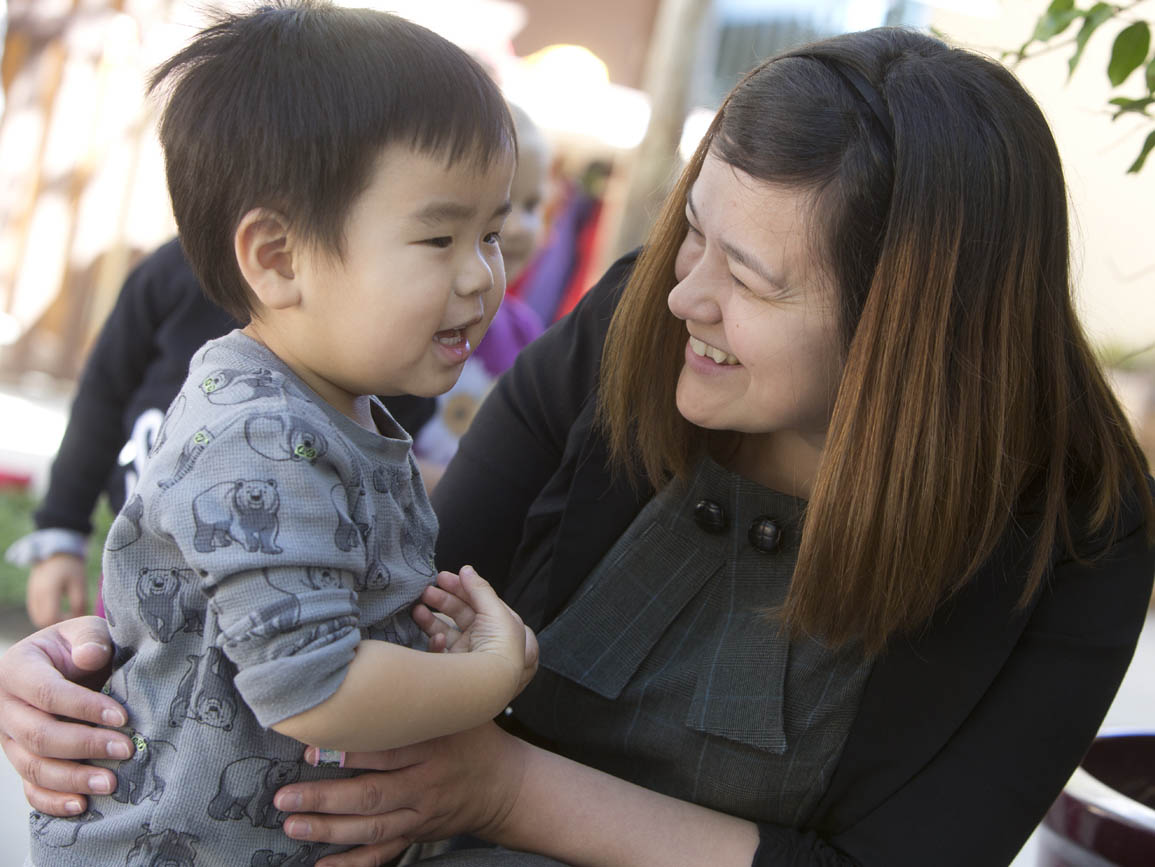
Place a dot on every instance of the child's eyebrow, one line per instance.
(444, 212)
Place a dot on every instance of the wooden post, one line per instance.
(670, 66)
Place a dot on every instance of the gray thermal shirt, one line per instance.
(267, 536)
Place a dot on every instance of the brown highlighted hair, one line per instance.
(969, 392)
(289, 106)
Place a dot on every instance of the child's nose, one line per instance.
(477, 276)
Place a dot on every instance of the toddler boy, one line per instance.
(339, 178)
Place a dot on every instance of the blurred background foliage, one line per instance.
(1064, 25)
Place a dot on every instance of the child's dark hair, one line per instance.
(288, 107)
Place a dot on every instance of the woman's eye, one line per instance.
(441, 243)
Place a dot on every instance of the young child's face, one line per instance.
(419, 282)
(522, 233)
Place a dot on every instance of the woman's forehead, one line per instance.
(769, 222)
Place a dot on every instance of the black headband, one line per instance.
(864, 89)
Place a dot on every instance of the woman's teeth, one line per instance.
(716, 355)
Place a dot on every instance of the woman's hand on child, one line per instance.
(462, 613)
(38, 683)
(52, 581)
(464, 782)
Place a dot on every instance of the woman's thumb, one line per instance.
(89, 640)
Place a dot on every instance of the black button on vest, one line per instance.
(764, 535)
(710, 516)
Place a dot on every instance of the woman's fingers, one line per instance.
(29, 732)
(57, 787)
(34, 690)
(38, 671)
(54, 803)
(34, 686)
(380, 829)
(32, 693)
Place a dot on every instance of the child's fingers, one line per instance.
(425, 618)
(432, 622)
(442, 633)
(451, 605)
(531, 649)
(484, 598)
(531, 659)
(450, 582)
(480, 594)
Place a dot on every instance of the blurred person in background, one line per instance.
(437, 424)
(134, 371)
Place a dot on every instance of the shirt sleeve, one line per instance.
(265, 527)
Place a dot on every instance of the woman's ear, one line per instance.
(264, 249)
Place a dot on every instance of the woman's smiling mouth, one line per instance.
(705, 350)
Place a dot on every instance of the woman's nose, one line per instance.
(695, 297)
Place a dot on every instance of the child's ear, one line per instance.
(264, 250)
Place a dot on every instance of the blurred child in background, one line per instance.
(437, 424)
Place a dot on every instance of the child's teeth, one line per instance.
(448, 337)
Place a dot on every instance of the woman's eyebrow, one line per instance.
(746, 260)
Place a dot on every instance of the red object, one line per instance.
(11, 479)
(1105, 816)
(579, 282)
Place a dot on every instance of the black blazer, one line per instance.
(966, 732)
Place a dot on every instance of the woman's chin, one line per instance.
(696, 414)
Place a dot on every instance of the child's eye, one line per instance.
(493, 238)
(441, 243)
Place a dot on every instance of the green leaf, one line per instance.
(1131, 106)
(1142, 158)
(1051, 23)
(1129, 51)
(1098, 13)
(1151, 76)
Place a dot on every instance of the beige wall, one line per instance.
(1113, 212)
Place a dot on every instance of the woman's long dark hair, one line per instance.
(968, 387)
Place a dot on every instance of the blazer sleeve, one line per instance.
(517, 440)
(978, 799)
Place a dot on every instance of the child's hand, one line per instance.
(469, 617)
(53, 580)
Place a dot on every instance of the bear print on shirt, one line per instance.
(244, 511)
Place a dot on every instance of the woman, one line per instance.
(837, 543)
